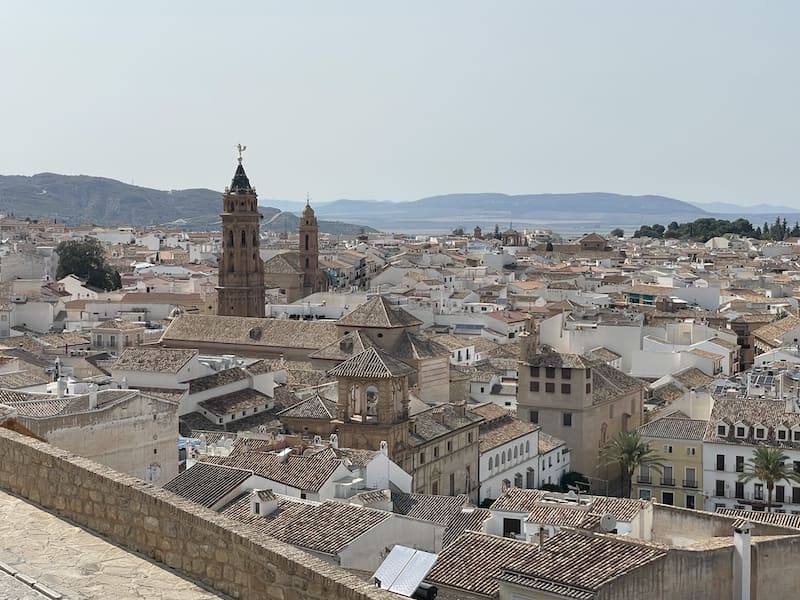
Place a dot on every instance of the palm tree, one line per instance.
(769, 465)
(628, 450)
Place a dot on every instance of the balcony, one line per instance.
(667, 481)
(644, 479)
(689, 483)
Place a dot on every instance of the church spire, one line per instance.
(240, 183)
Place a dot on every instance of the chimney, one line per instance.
(741, 561)
(92, 396)
(384, 448)
(61, 387)
(542, 532)
(263, 503)
(334, 440)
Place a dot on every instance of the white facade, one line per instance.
(514, 463)
(723, 488)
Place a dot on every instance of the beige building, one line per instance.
(581, 401)
(126, 430)
(679, 442)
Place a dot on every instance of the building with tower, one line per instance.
(240, 292)
(308, 246)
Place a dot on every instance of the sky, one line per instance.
(407, 99)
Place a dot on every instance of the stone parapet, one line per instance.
(199, 543)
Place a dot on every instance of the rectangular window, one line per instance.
(534, 416)
(422, 458)
(796, 436)
(588, 388)
(257, 506)
(691, 451)
(758, 491)
(780, 493)
(435, 488)
(534, 386)
(691, 478)
(719, 488)
(668, 498)
(449, 446)
(667, 449)
(690, 501)
(469, 437)
(740, 432)
(566, 388)
(436, 452)
(452, 484)
(720, 462)
(721, 430)
(644, 494)
(740, 464)
(534, 371)
(549, 387)
(588, 373)
(566, 373)
(550, 372)
(666, 476)
(782, 434)
(566, 419)
(739, 491)
(796, 495)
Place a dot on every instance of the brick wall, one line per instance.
(199, 543)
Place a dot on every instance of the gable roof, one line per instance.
(378, 312)
(578, 563)
(153, 360)
(206, 483)
(372, 363)
(314, 407)
(345, 347)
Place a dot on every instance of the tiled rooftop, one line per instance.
(379, 312)
(153, 360)
(674, 429)
(206, 483)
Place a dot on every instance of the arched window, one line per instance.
(527, 447)
(490, 463)
(306, 262)
(230, 239)
(244, 238)
(515, 452)
(496, 459)
(306, 241)
(504, 458)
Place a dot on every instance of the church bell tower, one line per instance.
(240, 291)
(309, 250)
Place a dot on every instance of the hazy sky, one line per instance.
(692, 99)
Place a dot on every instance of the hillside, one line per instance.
(84, 199)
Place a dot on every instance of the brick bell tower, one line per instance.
(240, 291)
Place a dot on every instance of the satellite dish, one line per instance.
(608, 523)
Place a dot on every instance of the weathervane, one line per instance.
(308, 199)
(241, 149)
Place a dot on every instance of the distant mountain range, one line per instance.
(76, 199)
(84, 199)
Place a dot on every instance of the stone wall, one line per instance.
(222, 553)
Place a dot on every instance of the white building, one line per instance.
(510, 453)
(736, 428)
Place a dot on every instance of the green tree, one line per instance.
(617, 232)
(629, 451)
(769, 465)
(86, 260)
(549, 246)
